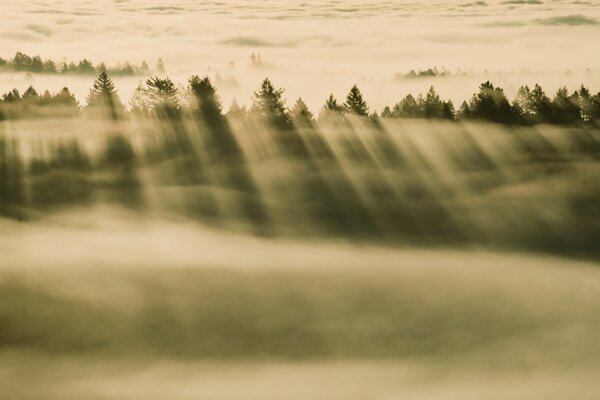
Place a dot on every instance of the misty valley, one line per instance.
(179, 250)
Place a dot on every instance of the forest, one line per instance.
(413, 175)
(22, 62)
(530, 106)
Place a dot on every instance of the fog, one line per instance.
(155, 309)
(318, 47)
(351, 259)
(176, 250)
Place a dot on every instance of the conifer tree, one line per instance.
(433, 106)
(158, 93)
(103, 95)
(331, 104)
(301, 113)
(204, 95)
(355, 103)
(268, 102)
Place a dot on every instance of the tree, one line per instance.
(433, 106)
(204, 94)
(533, 106)
(104, 96)
(407, 108)
(565, 107)
(331, 104)
(268, 102)
(161, 93)
(301, 114)
(448, 111)
(542, 106)
(355, 103)
(21, 62)
(12, 96)
(387, 112)
(66, 99)
(30, 93)
(49, 67)
(85, 66)
(37, 65)
(491, 104)
(585, 104)
(331, 108)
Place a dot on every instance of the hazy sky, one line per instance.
(317, 47)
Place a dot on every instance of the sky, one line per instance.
(313, 48)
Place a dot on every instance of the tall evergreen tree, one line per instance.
(301, 114)
(268, 102)
(104, 96)
(407, 108)
(433, 106)
(156, 94)
(205, 96)
(30, 93)
(585, 104)
(448, 111)
(491, 104)
(565, 107)
(355, 103)
(331, 104)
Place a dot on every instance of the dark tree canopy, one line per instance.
(204, 96)
(103, 96)
(491, 104)
(301, 114)
(355, 103)
(268, 102)
(157, 94)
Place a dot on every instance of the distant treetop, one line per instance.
(24, 63)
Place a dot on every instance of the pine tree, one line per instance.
(408, 107)
(355, 103)
(204, 94)
(433, 106)
(387, 112)
(161, 93)
(104, 96)
(301, 113)
(30, 93)
(331, 104)
(585, 104)
(269, 103)
(448, 111)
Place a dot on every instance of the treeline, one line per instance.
(24, 63)
(529, 107)
(434, 72)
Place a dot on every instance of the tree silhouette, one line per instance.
(533, 106)
(301, 114)
(104, 96)
(585, 104)
(355, 103)
(159, 94)
(407, 108)
(12, 96)
(30, 93)
(448, 111)
(433, 106)
(268, 102)
(331, 108)
(565, 107)
(491, 104)
(331, 104)
(205, 96)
